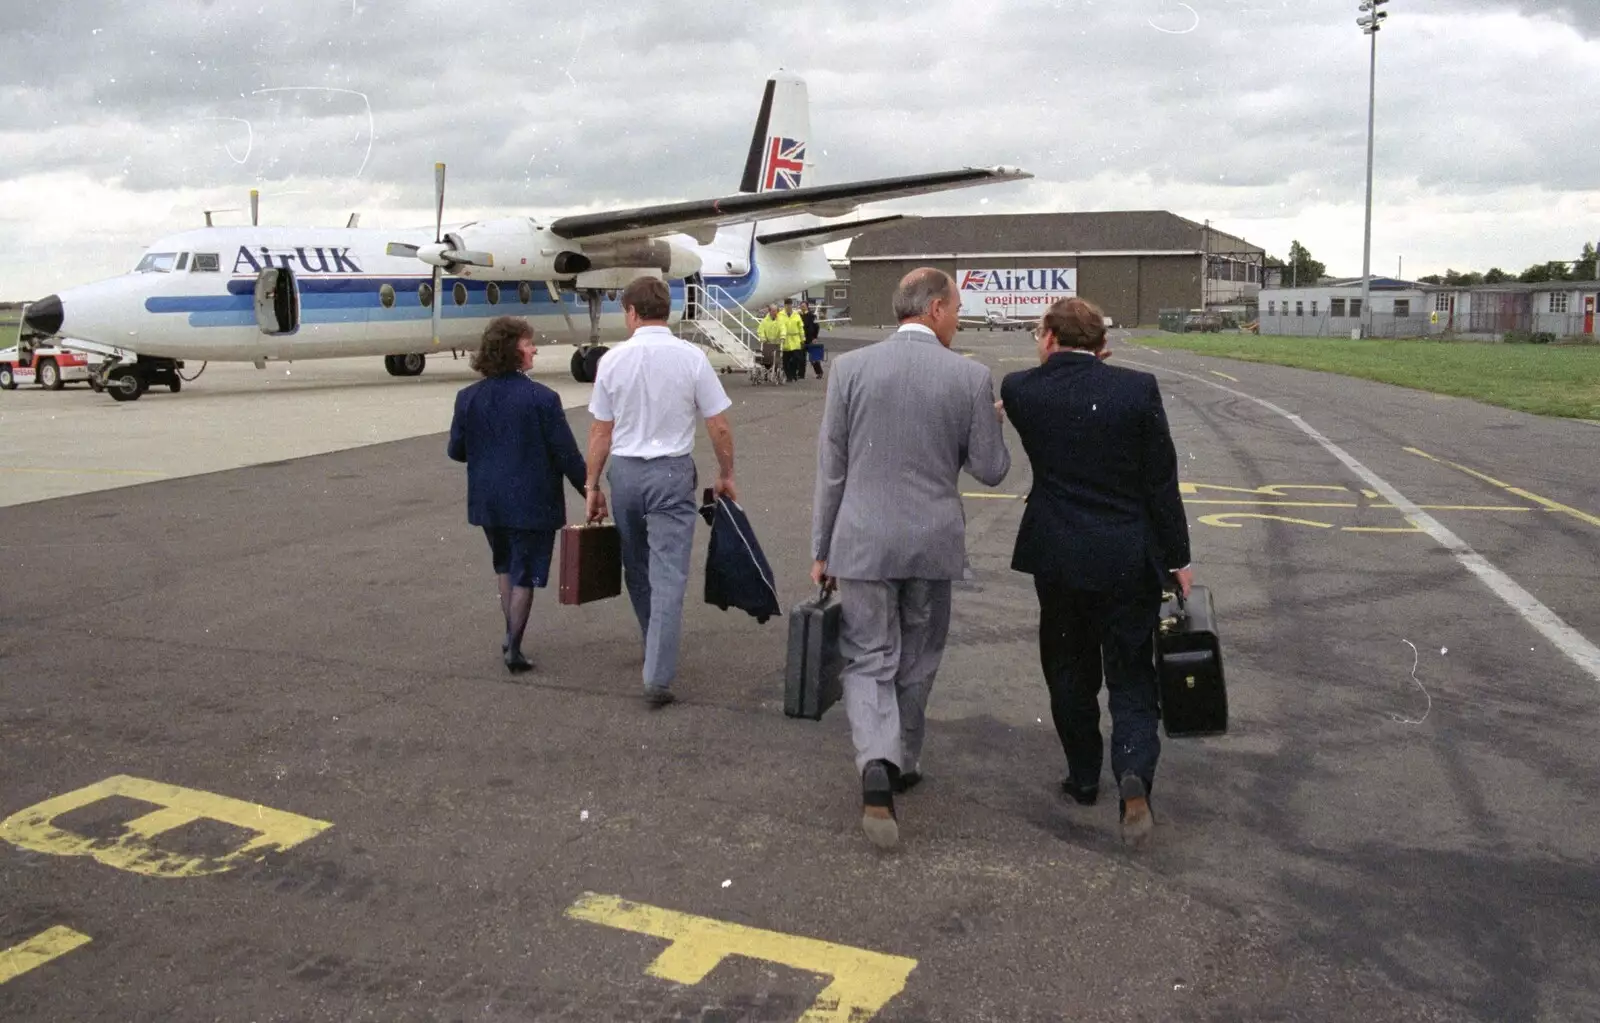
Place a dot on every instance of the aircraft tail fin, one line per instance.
(777, 161)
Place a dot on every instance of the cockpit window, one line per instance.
(206, 261)
(156, 262)
(183, 260)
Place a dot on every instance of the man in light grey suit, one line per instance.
(903, 418)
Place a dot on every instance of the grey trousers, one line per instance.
(892, 635)
(653, 503)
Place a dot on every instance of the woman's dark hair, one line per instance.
(497, 354)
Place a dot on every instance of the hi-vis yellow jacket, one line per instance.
(794, 331)
(771, 330)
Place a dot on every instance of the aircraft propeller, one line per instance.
(444, 253)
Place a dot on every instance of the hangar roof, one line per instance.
(1045, 234)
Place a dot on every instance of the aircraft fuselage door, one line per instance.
(277, 301)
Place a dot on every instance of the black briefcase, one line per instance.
(1194, 698)
(812, 680)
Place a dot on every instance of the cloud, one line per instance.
(122, 122)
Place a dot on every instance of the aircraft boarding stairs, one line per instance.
(722, 324)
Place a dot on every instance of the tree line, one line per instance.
(1302, 269)
(1580, 269)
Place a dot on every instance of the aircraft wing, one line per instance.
(811, 237)
(702, 217)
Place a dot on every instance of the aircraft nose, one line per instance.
(44, 315)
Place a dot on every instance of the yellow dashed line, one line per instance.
(995, 497)
(1526, 495)
(80, 472)
(1222, 375)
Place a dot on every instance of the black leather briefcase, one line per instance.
(812, 681)
(1194, 697)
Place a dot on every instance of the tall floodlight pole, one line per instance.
(1370, 21)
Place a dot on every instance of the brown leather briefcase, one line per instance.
(591, 563)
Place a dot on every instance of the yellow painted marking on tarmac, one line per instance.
(134, 850)
(861, 983)
(1526, 495)
(969, 355)
(994, 497)
(1223, 519)
(1467, 507)
(1222, 375)
(81, 472)
(1384, 529)
(38, 950)
(1018, 358)
(1276, 504)
(1271, 490)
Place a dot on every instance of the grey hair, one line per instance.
(918, 290)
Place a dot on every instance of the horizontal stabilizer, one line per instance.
(811, 237)
(701, 217)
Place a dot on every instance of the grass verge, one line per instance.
(1542, 379)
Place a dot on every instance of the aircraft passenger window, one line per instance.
(493, 293)
(183, 261)
(459, 293)
(425, 295)
(386, 296)
(524, 292)
(206, 261)
(156, 262)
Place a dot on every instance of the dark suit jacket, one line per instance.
(808, 320)
(1104, 513)
(514, 437)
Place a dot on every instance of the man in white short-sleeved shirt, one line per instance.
(647, 396)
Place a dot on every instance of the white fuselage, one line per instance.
(354, 299)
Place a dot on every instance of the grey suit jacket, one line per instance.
(903, 418)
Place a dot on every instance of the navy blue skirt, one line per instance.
(523, 554)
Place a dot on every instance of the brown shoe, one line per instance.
(1137, 821)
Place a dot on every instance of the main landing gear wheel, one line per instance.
(586, 363)
(125, 384)
(405, 365)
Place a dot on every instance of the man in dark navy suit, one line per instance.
(514, 437)
(1102, 534)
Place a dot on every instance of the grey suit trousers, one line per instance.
(653, 503)
(892, 634)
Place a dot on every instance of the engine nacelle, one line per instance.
(524, 251)
(672, 260)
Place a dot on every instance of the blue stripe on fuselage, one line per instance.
(357, 299)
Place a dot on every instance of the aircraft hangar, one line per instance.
(1131, 264)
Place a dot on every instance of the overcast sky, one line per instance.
(120, 122)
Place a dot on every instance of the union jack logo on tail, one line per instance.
(786, 159)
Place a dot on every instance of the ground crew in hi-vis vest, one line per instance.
(794, 342)
(770, 333)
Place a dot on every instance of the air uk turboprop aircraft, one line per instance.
(253, 294)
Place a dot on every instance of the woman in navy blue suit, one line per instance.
(514, 437)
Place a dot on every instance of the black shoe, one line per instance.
(516, 663)
(1084, 795)
(877, 805)
(1137, 820)
(658, 696)
(905, 782)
